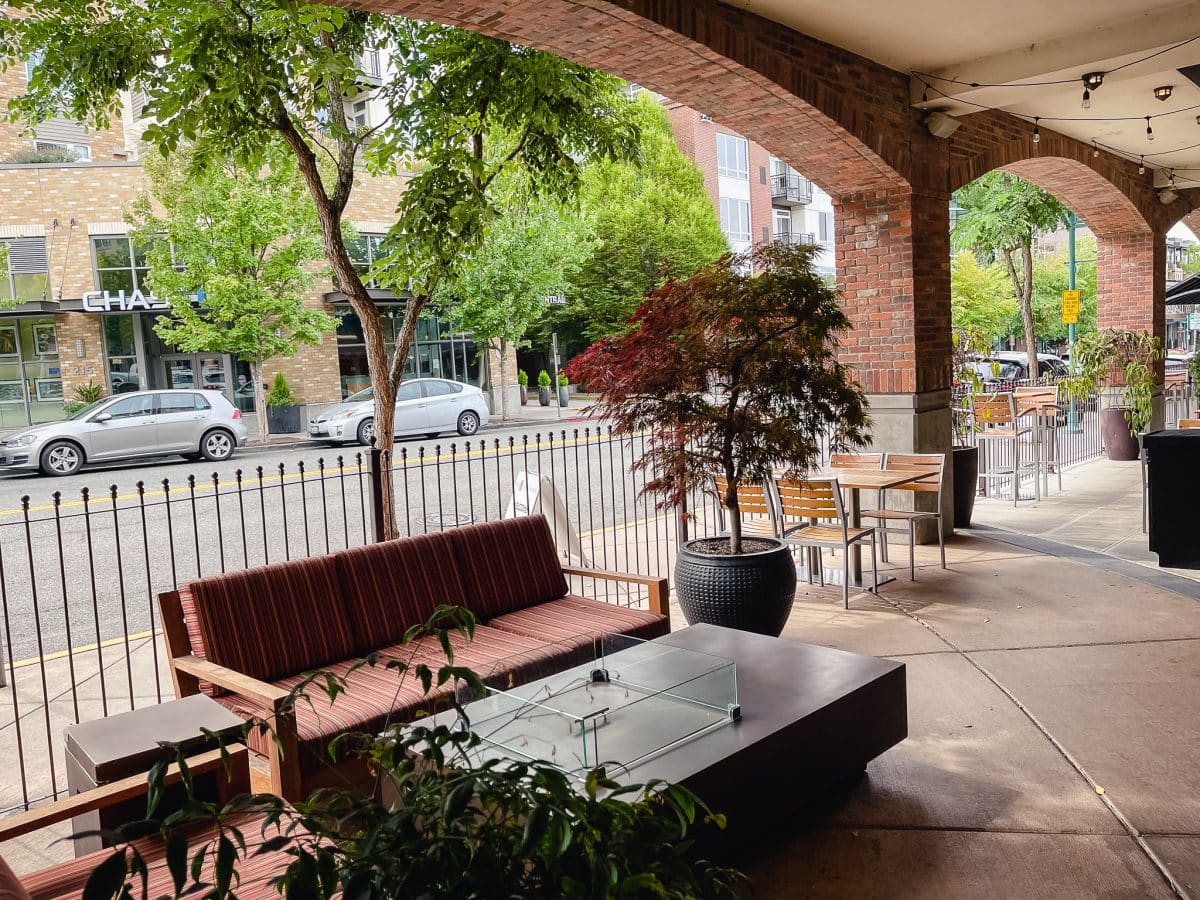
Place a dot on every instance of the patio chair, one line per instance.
(1042, 403)
(753, 500)
(856, 461)
(998, 427)
(931, 484)
(817, 503)
(1187, 424)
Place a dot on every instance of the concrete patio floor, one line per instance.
(1054, 719)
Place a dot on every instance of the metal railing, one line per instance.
(794, 238)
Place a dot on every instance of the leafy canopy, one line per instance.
(731, 373)
(1001, 213)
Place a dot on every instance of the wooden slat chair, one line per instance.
(856, 460)
(753, 500)
(996, 420)
(817, 504)
(1043, 405)
(1187, 424)
(931, 484)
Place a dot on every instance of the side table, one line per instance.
(105, 750)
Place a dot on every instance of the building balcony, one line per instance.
(790, 190)
(794, 238)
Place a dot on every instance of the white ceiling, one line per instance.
(1007, 43)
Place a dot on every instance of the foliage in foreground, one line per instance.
(459, 828)
(733, 374)
(1128, 360)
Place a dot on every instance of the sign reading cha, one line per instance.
(106, 301)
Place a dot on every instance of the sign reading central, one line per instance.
(106, 301)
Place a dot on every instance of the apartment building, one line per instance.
(74, 307)
(758, 197)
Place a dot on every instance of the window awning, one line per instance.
(1185, 292)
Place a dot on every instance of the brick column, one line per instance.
(893, 264)
(1131, 284)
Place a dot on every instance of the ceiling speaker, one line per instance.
(941, 125)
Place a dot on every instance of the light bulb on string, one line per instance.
(1095, 150)
(1171, 179)
(925, 94)
(1037, 132)
(1141, 165)
(1149, 130)
(1087, 99)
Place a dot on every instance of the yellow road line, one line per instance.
(62, 654)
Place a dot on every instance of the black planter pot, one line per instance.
(283, 419)
(966, 484)
(544, 396)
(1120, 443)
(751, 591)
(524, 392)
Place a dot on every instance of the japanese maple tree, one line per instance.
(732, 374)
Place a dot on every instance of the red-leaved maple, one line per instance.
(732, 374)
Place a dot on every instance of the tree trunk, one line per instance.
(730, 503)
(1026, 298)
(329, 214)
(504, 415)
(260, 400)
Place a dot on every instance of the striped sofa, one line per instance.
(248, 638)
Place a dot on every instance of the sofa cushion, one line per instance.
(393, 585)
(576, 621)
(508, 565)
(376, 696)
(270, 621)
(256, 867)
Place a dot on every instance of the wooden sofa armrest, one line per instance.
(127, 788)
(262, 693)
(658, 593)
(283, 751)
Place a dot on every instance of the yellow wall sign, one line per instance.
(1070, 307)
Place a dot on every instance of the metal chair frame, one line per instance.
(1047, 413)
(996, 418)
(933, 484)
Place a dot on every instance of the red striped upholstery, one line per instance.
(508, 565)
(392, 586)
(271, 621)
(67, 879)
(376, 696)
(574, 621)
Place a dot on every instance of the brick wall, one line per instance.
(79, 370)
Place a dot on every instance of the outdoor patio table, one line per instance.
(855, 480)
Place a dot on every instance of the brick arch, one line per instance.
(1105, 191)
(841, 119)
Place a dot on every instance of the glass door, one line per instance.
(179, 371)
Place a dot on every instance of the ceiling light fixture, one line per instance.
(1149, 130)
(1037, 132)
(1091, 81)
(1164, 93)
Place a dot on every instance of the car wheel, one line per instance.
(217, 445)
(366, 431)
(468, 423)
(61, 458)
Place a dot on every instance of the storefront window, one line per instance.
(27, 277)
(121, 347)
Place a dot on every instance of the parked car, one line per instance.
(195, 424)
(1003, 369)
(425, 406)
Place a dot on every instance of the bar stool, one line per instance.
(999, 428)
(1042, 403)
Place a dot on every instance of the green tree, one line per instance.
(500, 290)
(247, 77)
(652, 219)
(250, 241)
(1001, 215)
(981, 297)
(1050, 280)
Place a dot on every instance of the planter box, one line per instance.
(284, 419)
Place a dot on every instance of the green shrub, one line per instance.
(563, 380)
(522, 378)
(543, 379)
(281, 393)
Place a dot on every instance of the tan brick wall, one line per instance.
(79, 370)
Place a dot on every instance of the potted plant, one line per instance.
(731, 374)
(969, 345)
(564, 393)
(523, 381)
(1125, 360)
(283, 409)
(544, 388)
(83, 395)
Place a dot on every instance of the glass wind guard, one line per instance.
(624, 701)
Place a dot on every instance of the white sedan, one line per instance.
(424, 406)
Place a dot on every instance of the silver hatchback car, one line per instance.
(425, 406)
(192, 424)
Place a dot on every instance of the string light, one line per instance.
(1091, 81)
(1149, 130)
(925, 94)
(1037, 132)
(1087, 99)
(1095, 149)
(1171, 179)
(1142, 165)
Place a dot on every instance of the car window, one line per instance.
(199, 401)
(440, 388)
(175, 403)
(142, 405)
(410, 390)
